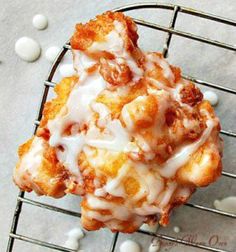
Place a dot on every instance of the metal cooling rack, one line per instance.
(170, 30)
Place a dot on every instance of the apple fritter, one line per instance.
(127, 133)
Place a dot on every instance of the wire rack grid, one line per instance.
(170, 31)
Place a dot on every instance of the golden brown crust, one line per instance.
(53, 107)
(96, 30)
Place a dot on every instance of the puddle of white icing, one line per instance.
(27, 49)
(40, 22)
(67, 70)
(211, 97)
(74, 235)
(227, 204)
(154, 246)
(51, 53)
(150, 228)
(130, 246)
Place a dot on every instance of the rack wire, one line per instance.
(48, 83)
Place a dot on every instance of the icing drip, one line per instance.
(28, 169)
(120, 212)
(181, 157)
(74, 236)
(113, 186)
(115, 45)
(72, 146)
(82, 61)
(152, 183)
(154, 246)
(104, 114)
(117, 142)
(78, 111)
(211, 97)
(150, 228)
(167, 194)
(67, 70)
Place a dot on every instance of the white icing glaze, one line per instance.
(27, 49)
(130, 246)
(100, 192)
(72, 147)
(150, 228)
(154, 246)
(82, 95)
(115, 45)
(146, 209)
(74, 235)
(167, 194)
(131, 147)
(127, 119)
(211, 96)
(120, 212)
(104, 113)
(152, 183)
(30, 163)
(51, 53)
(227, 204)
(67, 70)
(183, 192)
(142, 143)
(71, 244)
(40, 22)
(82, 61)
(181, 157)
(113, 186)
(120, 137)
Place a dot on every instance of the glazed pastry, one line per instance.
(127, 133)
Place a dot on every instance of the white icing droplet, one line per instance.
(154, 246)
(130, 246)
(211, 97)
(74, 235)
(71, 244)
(51, 53)
(67, 70)
(176, 229)
(149, 228)
(27, 49)
(227, 204)
(40, 22)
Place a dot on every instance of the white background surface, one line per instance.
(21, 86)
